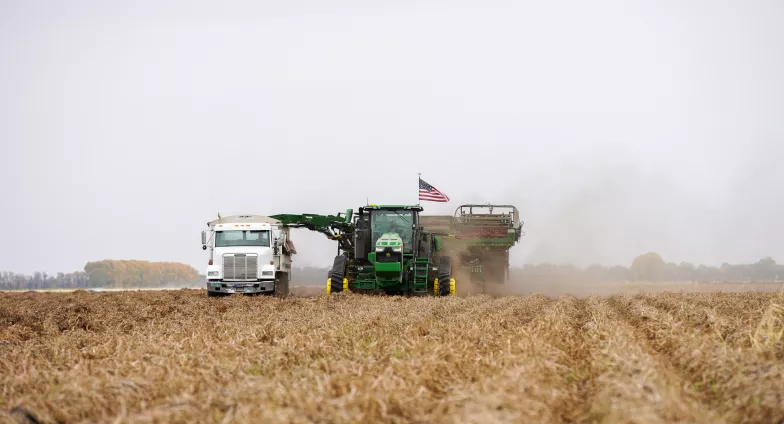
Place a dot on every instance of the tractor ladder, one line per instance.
(421, 271)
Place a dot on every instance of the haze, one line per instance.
(617, 127)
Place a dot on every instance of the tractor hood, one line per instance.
(389, 241)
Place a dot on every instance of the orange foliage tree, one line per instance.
(128, 273)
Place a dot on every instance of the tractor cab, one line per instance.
(386, 229)
(386, 239)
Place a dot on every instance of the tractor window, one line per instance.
(242, 238)
(393, 221)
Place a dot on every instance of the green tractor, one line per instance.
(387, 249)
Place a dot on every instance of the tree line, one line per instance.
(107, 274)
(42, 280)
(127, 274)
(649, 267)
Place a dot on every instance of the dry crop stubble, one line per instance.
(741, 384)
(179, 357)
(633, 384)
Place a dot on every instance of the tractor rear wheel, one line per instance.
(337, 275)
(445, 285)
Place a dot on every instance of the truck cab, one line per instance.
(248, 254)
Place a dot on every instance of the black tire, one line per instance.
(444, 275)
(337, 274)
(282, 284)
(214, 294)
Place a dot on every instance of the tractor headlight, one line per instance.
(397, 249)
(212, 273)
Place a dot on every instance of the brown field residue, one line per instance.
(177, 356)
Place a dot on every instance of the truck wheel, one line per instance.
(282, 284)
(214, 294)
(337, 275)
(445, 281)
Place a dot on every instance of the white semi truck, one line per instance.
(249, 254)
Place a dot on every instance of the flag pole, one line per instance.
(419, 178)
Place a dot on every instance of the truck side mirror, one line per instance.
(204, 238)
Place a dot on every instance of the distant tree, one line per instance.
(685, 271)
(618, 274)
(764, 269)
(98, 274)
(125, 274)
(648, 267)
(596, 273)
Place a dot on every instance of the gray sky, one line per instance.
(617, 127)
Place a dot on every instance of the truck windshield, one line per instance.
(393, 221)
(242, 238)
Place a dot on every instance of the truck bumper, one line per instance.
(245, 287)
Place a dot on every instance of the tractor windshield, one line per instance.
(394, 221)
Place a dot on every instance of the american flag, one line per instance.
(430, 193)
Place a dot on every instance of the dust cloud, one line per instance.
(609, 213)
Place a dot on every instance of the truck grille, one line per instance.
(240, 267)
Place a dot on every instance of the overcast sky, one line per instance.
(617, 127)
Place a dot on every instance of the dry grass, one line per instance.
(176, 356)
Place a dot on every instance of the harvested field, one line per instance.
(177, 356)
